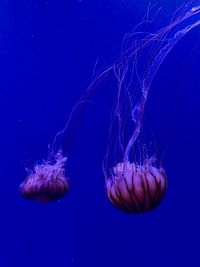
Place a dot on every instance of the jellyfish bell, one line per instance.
(136, 188)
(47, 182)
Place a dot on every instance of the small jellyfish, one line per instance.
(47, 181)
(137, 183)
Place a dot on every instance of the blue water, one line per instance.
(47, 53)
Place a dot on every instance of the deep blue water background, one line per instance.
(47, 53)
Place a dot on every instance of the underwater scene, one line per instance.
(100, 126)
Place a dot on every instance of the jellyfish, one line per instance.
(47, 181)
(136, 182)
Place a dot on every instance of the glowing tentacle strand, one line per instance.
(146, 83)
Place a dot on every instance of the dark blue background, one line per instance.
(47, 53)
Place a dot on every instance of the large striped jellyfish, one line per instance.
(136, 183)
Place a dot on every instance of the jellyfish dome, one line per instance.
(47, 182)
(136, 188)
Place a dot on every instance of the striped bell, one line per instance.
(136, 188)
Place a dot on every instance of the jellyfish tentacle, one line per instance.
(138, 110)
